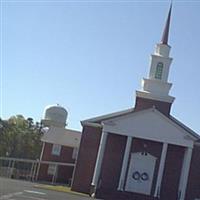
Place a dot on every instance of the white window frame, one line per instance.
(56, 149)
(159, 70)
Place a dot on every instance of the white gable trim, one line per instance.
(111, 121)
(176, 125)
(195, 135)
(107, 116)
(142, 124)
(92, 124)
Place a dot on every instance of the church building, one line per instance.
(142, 153)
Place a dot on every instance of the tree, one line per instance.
(20, 138)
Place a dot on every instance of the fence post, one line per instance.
(35, 176)
(31, 172)
(55, 174)
(12, 168)
(8, 169)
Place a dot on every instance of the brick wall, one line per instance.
(193, 189)
(65, 154)
(142, 103)
(112, 161)
(172, 172)
(64, 173)
(86, 159)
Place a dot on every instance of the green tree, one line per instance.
(20, 138)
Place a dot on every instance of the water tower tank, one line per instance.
(55, 115)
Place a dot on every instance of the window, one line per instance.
(75, 153)
(56, 149)
(51, 169)
(159, 70)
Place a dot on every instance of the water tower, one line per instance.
(55, 115)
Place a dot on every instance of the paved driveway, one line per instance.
(22, 190)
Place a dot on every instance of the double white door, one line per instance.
(140, 173)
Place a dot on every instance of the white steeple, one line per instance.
(156, 86)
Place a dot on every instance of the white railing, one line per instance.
(26, 168)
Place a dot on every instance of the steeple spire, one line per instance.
(155, 88)
(165, 35)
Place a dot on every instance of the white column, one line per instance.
(99, 159)
(185, 173)
(125, 163)
(55, 174)
(41, 155)
(161, 170)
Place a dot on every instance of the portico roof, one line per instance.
(110, 118)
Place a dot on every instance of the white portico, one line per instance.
(150, 125)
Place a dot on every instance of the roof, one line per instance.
(184, 127)
(98, 120)
(108, 116)
(62, 136)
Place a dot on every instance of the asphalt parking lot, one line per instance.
(22, 190)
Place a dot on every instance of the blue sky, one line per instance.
(90, 56)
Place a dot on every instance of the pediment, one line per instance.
(150, 124)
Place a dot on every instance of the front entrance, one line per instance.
(140, 173)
